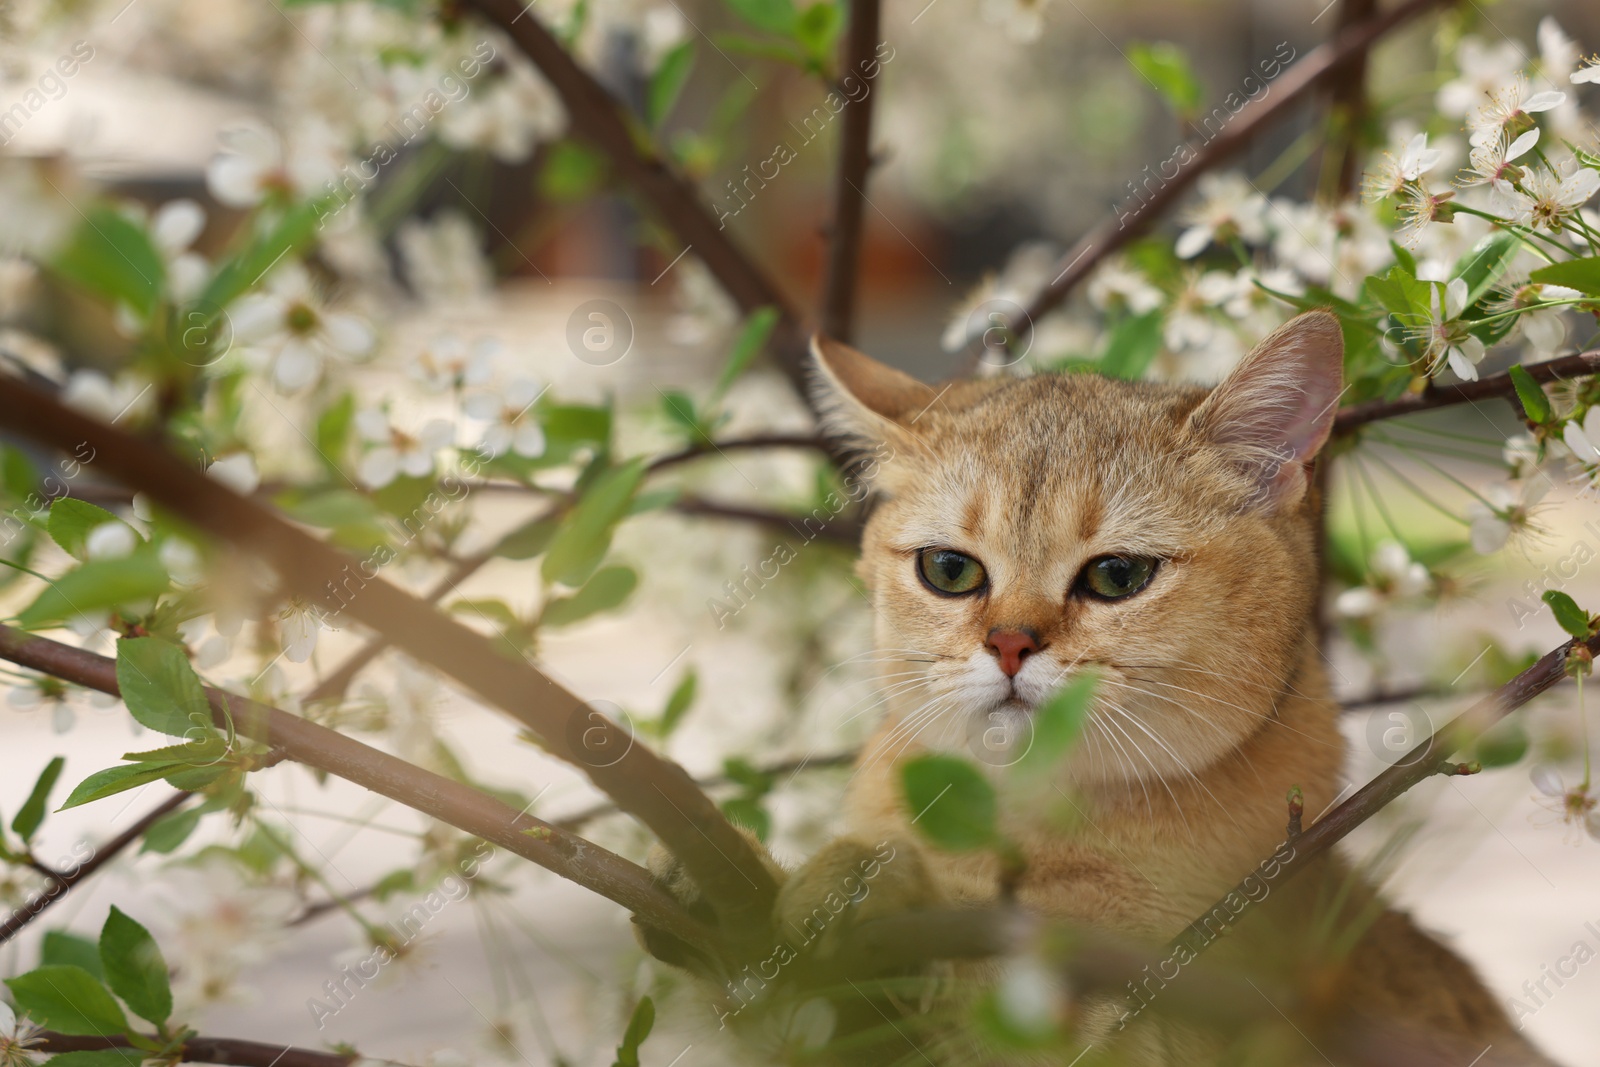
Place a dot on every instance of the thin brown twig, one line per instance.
(449, 801)
(230, 1052)
(1348, 105)
(1311, 71)
(840, 288)
(63, 881)
(1577, 365)
(656, 791)
(600, 119)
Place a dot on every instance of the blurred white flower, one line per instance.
(1482, 69)
(174, 229)
(1505, 512)
(237, 472)
(1521, 454)
(299, 624)
(511, 425)
(1230, 207)
(1392, 575)
(396, 452)
(443, 260)
(1116, 284)
(289, 325)
(1575, 806)
(508, 117)
(1589, 73)
(219, 925)
(251, 163)
(1392, 173)
(110, 540)
(182, 561)
(448, 363)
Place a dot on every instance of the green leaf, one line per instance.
(33, 809)
(608, 588)
(754, 46)
(1580, 274)
(774, 16)
(678, 406)
(678, 704)
(1058, 722)
(114, 780)
(1487, 263)
(528, 540)
(60, 947)
(102, 1057)
(639, 1027)
(578, 424)
(752, 338)
(585, 535)
(668, 82)
(817, 30)
(68, 1000)
(95, 586)
(1403, 256)
(134, 967)
(18, 474)
(333, 430)
(1132, 346)
(572, 171)
(161, 689)
(950, 802)
(113, 257)
(169, 834)
(1534, 402)
(498, 612)
(71, 520)
(1400, 293)
(1569, 616)
(1166, 67)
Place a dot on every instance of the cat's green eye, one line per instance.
(950, 573)
(1111, 577)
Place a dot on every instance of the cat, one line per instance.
(1166, 537)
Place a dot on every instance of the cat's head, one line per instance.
(1027, 529)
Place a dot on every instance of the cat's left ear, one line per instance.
(1275, 411)
(861, 401)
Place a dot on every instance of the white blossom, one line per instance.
(299, 624)
(396, 452)
(1230, 207)
(1505, 511)
(512, 425)
(237, 472)
(290, 327)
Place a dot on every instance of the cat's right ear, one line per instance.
(860, 400)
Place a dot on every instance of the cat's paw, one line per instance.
(669, 874)
(850, 881)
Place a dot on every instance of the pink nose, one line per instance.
(1012, 647)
